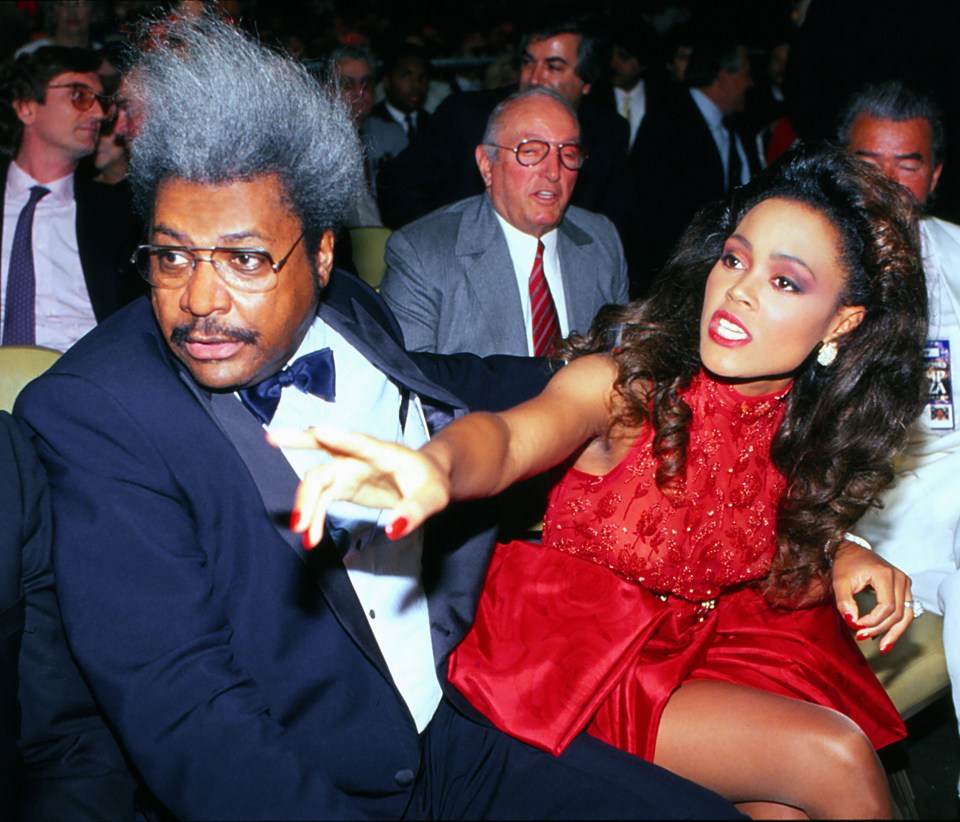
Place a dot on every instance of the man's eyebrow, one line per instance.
(556, 61)
(916, 156)
(235, 237)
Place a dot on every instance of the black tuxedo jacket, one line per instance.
(238, 669)
(439, 166)
(57, 758)
(108, 231)
(678, 170)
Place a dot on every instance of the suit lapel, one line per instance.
(365, 334)
(576, 266)
(488, 269)
(277, 483)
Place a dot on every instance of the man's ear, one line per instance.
(26, 111)
(935, 178)
(485, 164)
(324, 258)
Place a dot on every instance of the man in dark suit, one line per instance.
(245, 676)
(438, 168)
(82, 232)
(58, 760)
(400, 116)
(688, 151)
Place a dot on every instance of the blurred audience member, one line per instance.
(676, 48)
(67, 240)
(766, 112)
(689, 151)
(633, 53)
(395, 121)
(68, 23)
(900, 130)
(353, 69)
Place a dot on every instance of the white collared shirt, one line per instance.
(64, 312)
(385, 575)
(400, 117)
(714, 117)
(523, 251)
(637, 97)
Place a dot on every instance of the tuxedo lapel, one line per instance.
(277, 483)
(365, 334)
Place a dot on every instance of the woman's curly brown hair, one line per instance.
(843, 423)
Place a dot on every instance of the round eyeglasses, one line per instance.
(243, 269)
(532, 152)
(82, 97)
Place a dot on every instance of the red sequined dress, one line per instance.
(633, 592)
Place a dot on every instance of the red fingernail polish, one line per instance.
(397, 528)
(885, 648)
(862, 636)
(851, 620)
(306, 541)
(294, 520)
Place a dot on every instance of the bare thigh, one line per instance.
(753, 746)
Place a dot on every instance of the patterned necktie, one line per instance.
(734, 166)
(19, 317)
(543, 313)
(312, 374)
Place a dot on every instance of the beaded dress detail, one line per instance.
(718, 531)
(634, 591)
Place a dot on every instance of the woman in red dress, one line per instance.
(719, 441)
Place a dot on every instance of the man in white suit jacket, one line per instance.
(458, 278)
(900, 130)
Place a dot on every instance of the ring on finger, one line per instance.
(916, 606)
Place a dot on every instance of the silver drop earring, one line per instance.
(827, 353)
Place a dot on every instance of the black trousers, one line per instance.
(473, 771)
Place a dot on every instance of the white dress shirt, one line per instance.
(401, 117)
(632, 105)
(64, 312)
(714, 117)
(385, 574)
(523, 251)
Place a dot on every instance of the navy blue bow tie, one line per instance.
(312, 374)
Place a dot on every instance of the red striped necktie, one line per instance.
(543, 313)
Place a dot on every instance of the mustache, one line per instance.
(209, 327)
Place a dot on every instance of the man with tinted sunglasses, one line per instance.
(67, 269)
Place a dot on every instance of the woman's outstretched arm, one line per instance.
(478, 455)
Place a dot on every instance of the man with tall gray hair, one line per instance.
(245, 676)
(900, 130)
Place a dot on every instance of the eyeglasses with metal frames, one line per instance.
(243, 269)
(531, 152)
(82, 97)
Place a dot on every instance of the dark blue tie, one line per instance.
(311, 374)
(19, 316)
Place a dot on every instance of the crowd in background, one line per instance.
(833, 47)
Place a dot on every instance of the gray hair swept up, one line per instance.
(214, 106)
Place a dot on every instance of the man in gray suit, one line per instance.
(510, 270)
